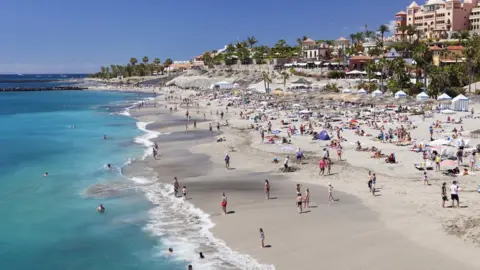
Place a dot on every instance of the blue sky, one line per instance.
(64, 36)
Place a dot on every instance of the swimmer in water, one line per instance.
(170, 251)
(45, 174)
(104, 137)
(109, 166)
(100, 208)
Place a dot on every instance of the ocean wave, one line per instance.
(186, 229)
(146, 138)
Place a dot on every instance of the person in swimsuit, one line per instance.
(444, 194)
(298, 188)
(321, 164)
(267, 189)
(184, 192)
(306, 199)
(200, 254)
(425, 179)
(330, 193)
(176, 186)
(262, 238)
(100, 208)
(227, 161)
(374, 182)
(370, 181)
(224, 203)
(299, 202)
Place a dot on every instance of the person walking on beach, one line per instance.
(184, 192)
(444, 194)
(454, 194)
(218, 126)
(299, 202)
(154, 153)
(460, 157)
(473, 161)
(176, 186)
(262, 134)
(297, 188)
(438, 159)
(321, 164)
(328, 165)
(370, 181)
(194, 124)
(210, 127)
(425, 179)
(267, 189)
(374, 182)
(224, 203)
(227, 161)
(339, 152)
(285, 164)
(330, 193)
(262, 238)
(306, 199)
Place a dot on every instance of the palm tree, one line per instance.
(252, 41)
(383, 29)
(285, 76)
(403, 29)
(266, 81)
(133, 61)
(382, 66)
(145, 59)
(470, 51)
(353, 37)
(411, 30)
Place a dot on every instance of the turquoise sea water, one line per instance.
(50, 222)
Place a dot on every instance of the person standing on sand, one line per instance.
(425, 179)
(438, 159)
(330, 193)
(262, 134)
(227, 161)
(454, 194)
(267, 189)
(306, 199)
(444, 194)
(262, 238)
(218, 126)
(460, 157)
(299, 202)
(224, 203)
(176, 186)
(339, 152)
(297, 188)
(210, 127)
(328, 165)
(321, 164)
(194, 124)
(285, 164)
(204, 117)
(473, 161)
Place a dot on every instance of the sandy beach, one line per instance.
(403, 226)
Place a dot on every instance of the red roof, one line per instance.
(435, 48)
(455, 48)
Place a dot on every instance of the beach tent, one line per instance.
(223, 85)
(460, 103)
(323, 135)
(422, 96)
(362, 92)
(346, 91)
(444, 96)
(400, 94)
(377, 93)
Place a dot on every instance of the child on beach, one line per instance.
(267, 189)
(299, 202)
(370, 181)
(339, 152)
(444, 194)
(184, 192)
(438, 159)
(425, 179)
(298, 188)
(306, 200)
(328, 165)
(262, 237)
(374, 181)
(224, 203)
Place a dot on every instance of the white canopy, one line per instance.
(444, 96)
(400, 94)
(302, 64)
(362, 92)
(223, 85)
(460, 103)
(288, 65)
(422, 96)
(346, 90)
(377, 93)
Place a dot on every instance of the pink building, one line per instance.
(439, 18)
